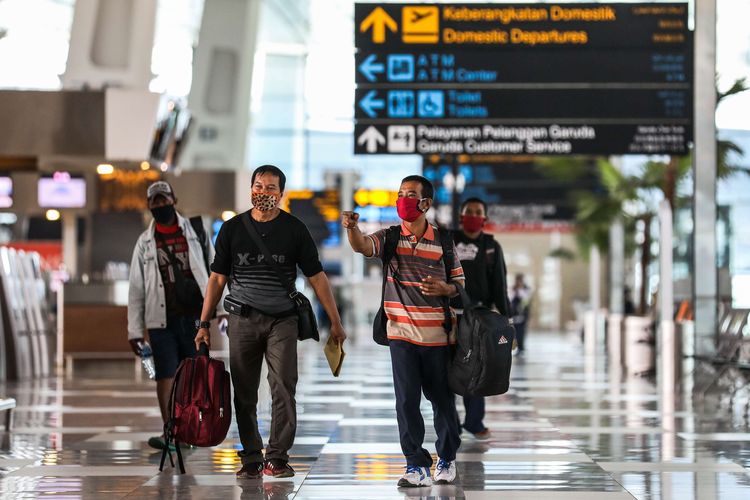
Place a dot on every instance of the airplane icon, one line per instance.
(420, 24)
(418, 16)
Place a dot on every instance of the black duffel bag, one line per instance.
(481, 363)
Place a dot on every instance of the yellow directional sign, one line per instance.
(378, 20)
(420, 24)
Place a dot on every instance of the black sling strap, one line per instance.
(446, 242)
(287, 283)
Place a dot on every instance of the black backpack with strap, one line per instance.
(200, 231)
(482, 360)
(392, 237)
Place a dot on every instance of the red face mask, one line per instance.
(408, 208)
(472, 223)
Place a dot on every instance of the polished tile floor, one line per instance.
(570, 428)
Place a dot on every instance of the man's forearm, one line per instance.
(359, 242)
(322, 288)
(214, 289)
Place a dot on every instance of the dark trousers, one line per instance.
(520, 334)
(416, 370)
(250, 340)
(473, 421)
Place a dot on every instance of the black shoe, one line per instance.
(278, 468)
(251, 470)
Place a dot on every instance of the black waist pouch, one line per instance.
(234, 306)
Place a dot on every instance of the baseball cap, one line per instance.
(159, 188)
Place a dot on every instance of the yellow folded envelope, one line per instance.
(335, 355)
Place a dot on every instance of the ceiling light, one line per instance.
(105, 169)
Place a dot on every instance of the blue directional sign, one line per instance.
(401, 103)
(400, 68)
(370, 104)
(431, 104)
(370, 68)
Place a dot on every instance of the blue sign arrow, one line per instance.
(370, 68)
(370, 104)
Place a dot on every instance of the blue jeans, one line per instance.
(172, 344)
(416, 370)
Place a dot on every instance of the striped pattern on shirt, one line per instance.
(412, 316)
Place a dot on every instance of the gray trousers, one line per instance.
(250, 339)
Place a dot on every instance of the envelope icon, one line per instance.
(335, 355)
(420, 24)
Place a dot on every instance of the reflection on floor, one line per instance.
(567, 430)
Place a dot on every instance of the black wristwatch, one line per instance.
(202, 324)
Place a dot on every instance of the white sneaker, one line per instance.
(415, 477)
(445, 472)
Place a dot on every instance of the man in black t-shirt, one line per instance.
(486, 282)
(267, 326)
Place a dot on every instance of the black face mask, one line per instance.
(164, 214)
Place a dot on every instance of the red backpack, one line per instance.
(201, 405)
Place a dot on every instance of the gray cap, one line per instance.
(159, 188)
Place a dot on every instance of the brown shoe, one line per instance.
(483, 435)
(278, 468)
(251, 470)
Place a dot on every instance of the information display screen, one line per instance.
(547, 79)
(6, 192)
(61, 190)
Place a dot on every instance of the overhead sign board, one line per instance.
(523, 78)
(517, 190)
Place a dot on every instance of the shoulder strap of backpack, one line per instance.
(392, 235)
(446, 242)
(200, 231)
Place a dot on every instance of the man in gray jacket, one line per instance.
(161, 301)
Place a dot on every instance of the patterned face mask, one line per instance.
(265, 201)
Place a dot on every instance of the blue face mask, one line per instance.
(164, 214)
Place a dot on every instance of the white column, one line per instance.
(222, 80)
(666, 338)
(70, 243)
(616, 291)
(111, 44)
(591, 326)
(705, 280)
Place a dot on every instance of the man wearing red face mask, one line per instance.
(263, 321)
(486, 283)
(416, 294)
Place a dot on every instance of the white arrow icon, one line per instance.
(372, 138)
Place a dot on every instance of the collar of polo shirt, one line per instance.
(428, 235)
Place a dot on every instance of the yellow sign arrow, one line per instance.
(378, 20)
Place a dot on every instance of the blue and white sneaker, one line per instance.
(415, 477)
(445, 472)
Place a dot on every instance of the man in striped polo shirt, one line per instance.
(416, 293)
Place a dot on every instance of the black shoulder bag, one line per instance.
(308, 325)
(187, 290)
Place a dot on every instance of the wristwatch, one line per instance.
(202, 324)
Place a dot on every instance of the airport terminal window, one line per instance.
(34, 30)
(177, 26)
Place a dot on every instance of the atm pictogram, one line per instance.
(420, 24)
